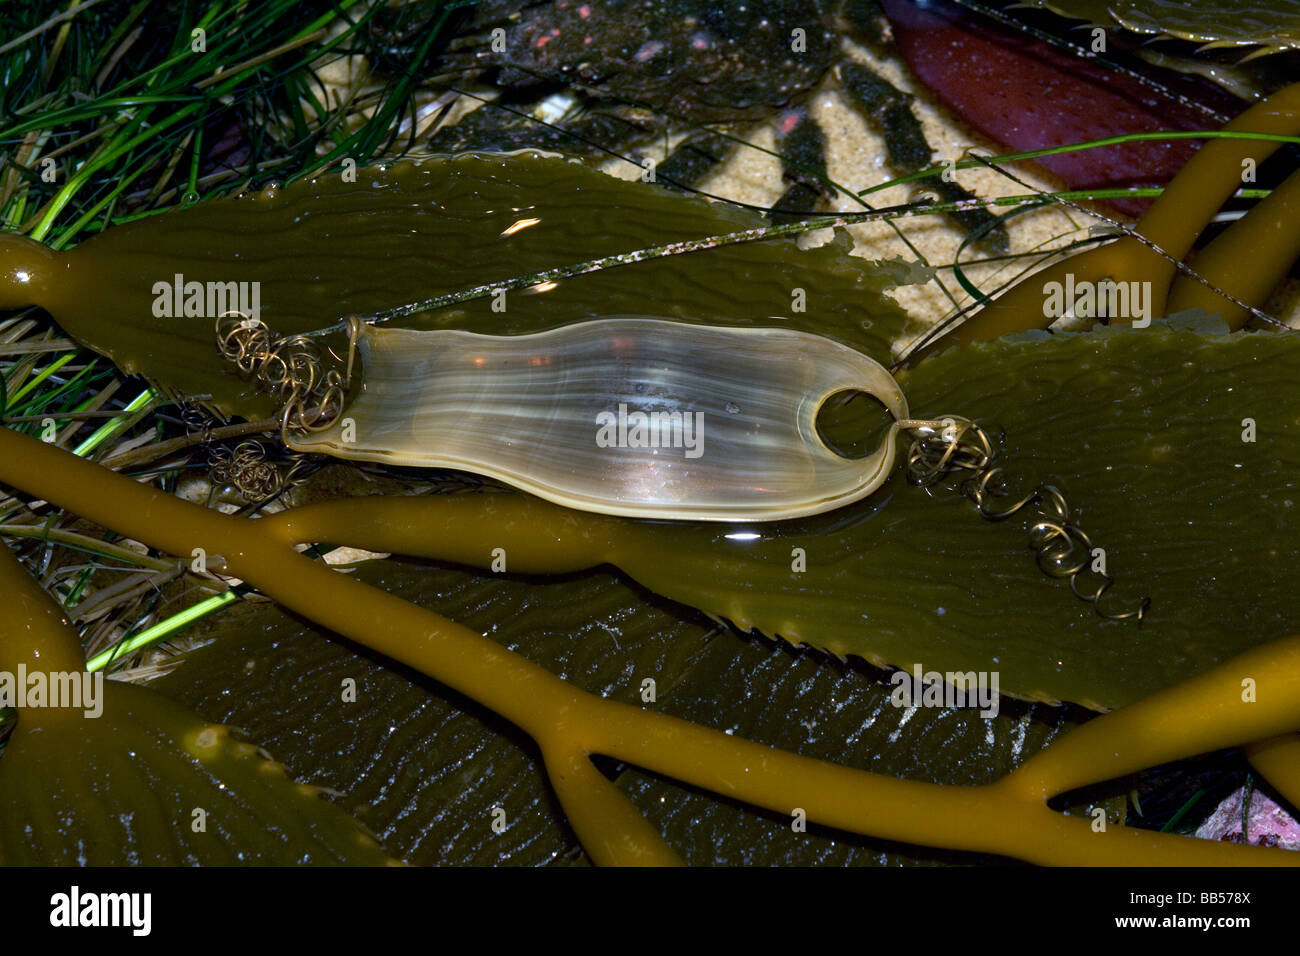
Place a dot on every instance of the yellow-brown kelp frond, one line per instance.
(426, 769)
(129, 776)
(1166, 234)
(1010, 817)
(1142, 429)
(1278, 760)
(1270, 231)
(1130, 431)
(148, 293)
(1260, 28)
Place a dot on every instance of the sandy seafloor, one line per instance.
(855, 154)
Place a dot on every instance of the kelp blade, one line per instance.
(1273, 26)
(1177, 451)
(150, 783)
(1141, 429)
(425, 769)
(324, 249)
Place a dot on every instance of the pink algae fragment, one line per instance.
(1267, 823)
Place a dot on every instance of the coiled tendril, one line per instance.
(943, 447)
(246, 469)
(290, 368)
(196, 421)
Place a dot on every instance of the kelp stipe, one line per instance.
(1153, 252)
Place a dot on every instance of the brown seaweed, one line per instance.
(1206, 708)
